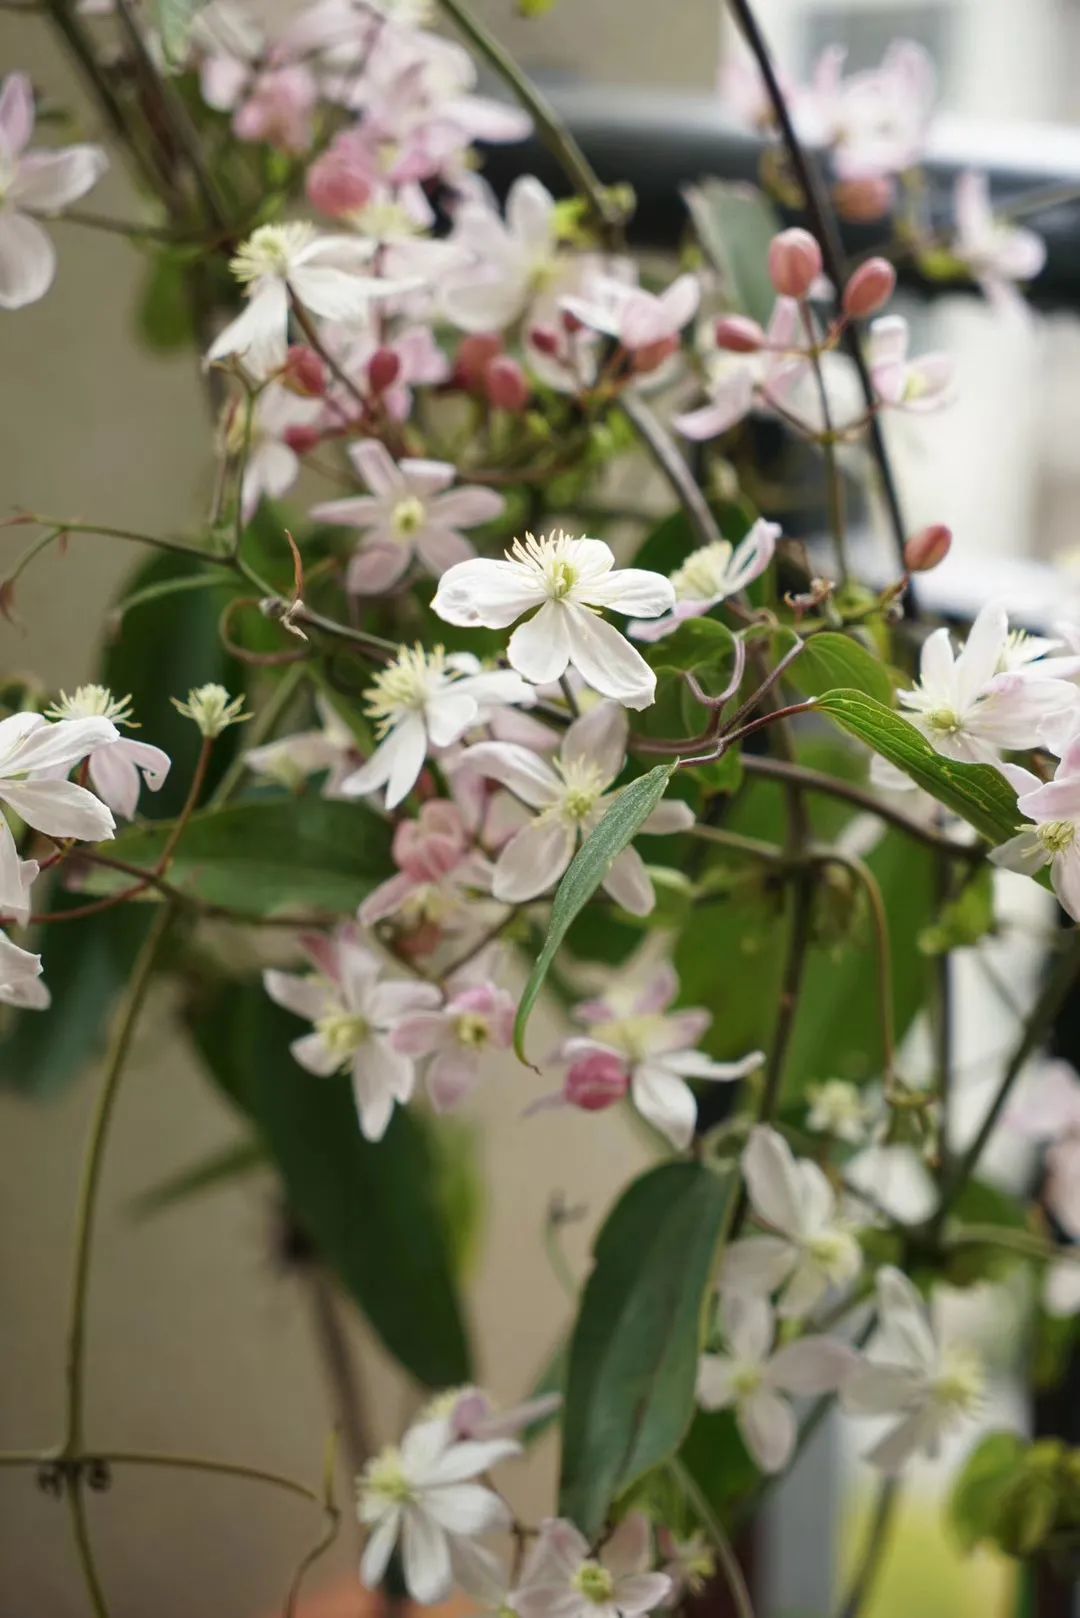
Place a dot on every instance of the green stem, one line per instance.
(80, 1531)
(826, 441)
(877, 1538)
(729, 1562)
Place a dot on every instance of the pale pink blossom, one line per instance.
(997, 253)
(459, 1038)
(411, 510)
(569, 796)
(1054, 837)
(635, 318)
(438, 867)
(474, 1414)
(34, 183)
(738, 382)
(920, 385)
(118, 770)
(278, 108)
(755, 1378)
(332, 747)
(563, 1579)
(271, 465)
(508, 262)
(875, 121)
(1049, 1112)
(20, 978)
(354, 1010)
(710, 575)
(658, 1048)
(563, 583)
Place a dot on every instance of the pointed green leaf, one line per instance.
(830, 662)
(735, 224)
(590, 865)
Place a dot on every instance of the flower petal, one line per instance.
(539, 649)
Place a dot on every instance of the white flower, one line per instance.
(570, 796)
(710, 575)
(737, 383)
(322, 273)
(931, 1387)
(561, 1579)
(472, 1413)
(635, 318)
(570, 581)
(425, 1495)
(997, 253)
(354, 1011)
(809, 1247)
(331, 747)
(920, 385)
(118, 770)
(272, 465)
(838, 1109)
(20, 978)
(425, 700)
(33, 183)
(966, 708)
(754, 1378)
(656, 1046)
(32, 753)
(508, 263)
(212, 709)
(1054, 838)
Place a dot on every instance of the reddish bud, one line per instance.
(863, 201)
(571, 323)
(505, 384)
(869, 289)
(739, 334)
(794, 262)
(301, 440)
(653, 355)
(337, 184)
(474, 356)
(596, 1081)
(928, 548)
(544, 339)
(384, 368)
(304, 372)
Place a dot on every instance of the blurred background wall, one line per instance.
(199, 1341)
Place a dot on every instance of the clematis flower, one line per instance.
(657, 1047)
(425, 1494)
(353, 1010)
(754, 1377)
(1054, 838)
(272, 465)
(32, 752)
(472, 1413)
(570, 796)
(930, 1387)
(291, 261)
(567, 580)
(424, 700)
(1049, 1112)
(475, 1023)
(411, 510)
(920, 385)
(809, 1247)
(386, 371)
(646, 324)
(561, 1579)
(969, 711)
(508, 263)
(689, 1563)
(876, 121)
(839, 1109)
(34, 182)
(437, 865)
(332, 747)
(738, 382)
(997, 253)
(710, 575)
(119, 769)
(20, 978)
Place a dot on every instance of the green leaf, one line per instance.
(629, 810)
(976, 792)
(963, 921)
(85, 965)
(982, 1486)
(163, 314)
(372, 1210)
(830, 661)
(735, 224)
(221, 1167)
(634, 1352)
(266, 856)
(717, 1459)
(698, 646)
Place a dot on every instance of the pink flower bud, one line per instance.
(571, 323)
(928, 548)
(596, 1081)
(863, 201)
(340, 182)
(384, 368)
(653, 355)
(301, 440)
(473, 358)
(794, 262)
(304, 372)
(544, 339)
(505, 384)
(869, 289)
(739, 334)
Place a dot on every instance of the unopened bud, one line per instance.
(863, 201)
(794, 262)
(571, 323)
(544, 339)
(869, 289)
(473, 358)
(304, 372)
(302, 439)
(212, 709)
(506, 385)
(928, 548)
(739, 334)
(384, 368)
(596, 1081)
(653, 355)
(338, 183)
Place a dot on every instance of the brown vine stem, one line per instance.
(822, 218)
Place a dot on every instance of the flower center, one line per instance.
(409, 515)
(405, 685)
(702, 575)
(271, 250)
(343, 1033)
(835, 1251)
(746, 1380)
(549, 556)
(582, 790)
(1056, 835)
(385, 1477)
(634, 1036)
(946, 720)
(960, 1382)
(472, 1030)
(90, 702)
(594, 1582)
